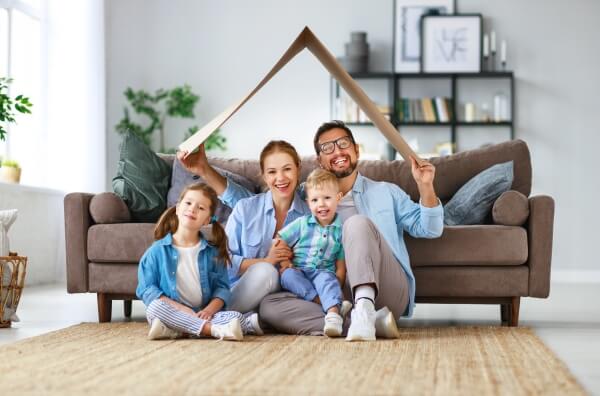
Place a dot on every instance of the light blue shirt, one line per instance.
(251, 226)
(158, 268)
(315, 246)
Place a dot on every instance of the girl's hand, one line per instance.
(279, 251)
(205, 314)
(423, 174)
(195, 162)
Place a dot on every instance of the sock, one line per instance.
(364, 291)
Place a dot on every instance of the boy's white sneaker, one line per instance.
(385, 324)
(362, 327)
(346, 307)
(254, 322)
(158, 331)
(333, 325)
(231, 330)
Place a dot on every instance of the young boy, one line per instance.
(318, 269)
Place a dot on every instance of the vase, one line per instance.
(9, 174)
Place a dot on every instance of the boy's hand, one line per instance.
(279, 251)
(285, 265)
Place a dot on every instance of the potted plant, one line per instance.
(10, 171)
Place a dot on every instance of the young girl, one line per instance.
(182, 278)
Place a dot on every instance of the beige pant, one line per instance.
(369, 260)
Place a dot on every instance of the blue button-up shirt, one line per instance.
(315, 246)
(158, 268)
(251, 226)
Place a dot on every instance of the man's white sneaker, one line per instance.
(362, 327)
(333, 325)
(385, 324)
(158, 331)
(231, 330)
(346, 307)
(256, 329)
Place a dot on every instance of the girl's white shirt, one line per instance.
(188, 275)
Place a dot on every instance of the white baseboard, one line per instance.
(575, 276)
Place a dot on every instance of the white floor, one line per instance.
(568, 321)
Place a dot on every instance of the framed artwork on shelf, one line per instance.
(407, 31)
(451, 43)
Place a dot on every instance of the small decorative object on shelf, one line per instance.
(357, 53)
(469, 112)
(503, 55)
(500, 107)
(492, 51)
(486, 51)
(12, 272)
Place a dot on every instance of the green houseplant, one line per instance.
(9, 105)
(177, 102)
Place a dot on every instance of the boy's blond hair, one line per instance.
(319, 178)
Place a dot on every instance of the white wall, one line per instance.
(224, 48)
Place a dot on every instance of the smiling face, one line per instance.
(340, 162)
(323, 201)
(280, 174)
(193, 211)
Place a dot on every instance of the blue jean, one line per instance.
(308, 283)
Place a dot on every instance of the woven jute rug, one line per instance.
(117, 359)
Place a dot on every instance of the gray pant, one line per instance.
(259, 280)
(369, 260)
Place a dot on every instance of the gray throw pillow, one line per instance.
(473, 201)
(181, 177)
(142, 179)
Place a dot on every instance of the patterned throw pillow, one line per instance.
(473, 201)
(142, 179)
(181, 177)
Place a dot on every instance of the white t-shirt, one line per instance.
(188, 276)
(346, 207)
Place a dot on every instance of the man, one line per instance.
(375, 216)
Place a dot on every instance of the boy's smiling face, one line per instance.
(323, 201)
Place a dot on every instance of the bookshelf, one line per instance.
(454, 119)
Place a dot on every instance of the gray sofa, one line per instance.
(475, 264)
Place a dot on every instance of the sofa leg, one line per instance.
(127, 308)
(504, 314)
(104, 308)
(514, 311)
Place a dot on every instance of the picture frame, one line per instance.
(451, 43)
(406, 48)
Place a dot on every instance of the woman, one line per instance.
(256, 219)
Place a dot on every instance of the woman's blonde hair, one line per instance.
(168, 222)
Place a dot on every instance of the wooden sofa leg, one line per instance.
(127, 308)
(104, 308)
(514, 311)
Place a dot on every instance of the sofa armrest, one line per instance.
(539, 234)
(77, 222)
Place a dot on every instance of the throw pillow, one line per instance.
(108, 208)
(511, 209)
(142, 179)
(181, 177)
(473, 201)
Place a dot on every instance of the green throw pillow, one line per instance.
(142, 179)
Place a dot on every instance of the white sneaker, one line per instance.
(256, 329)
(346, 307)
(385, 324)
(362, 327)
(333, 325)
(158, 331)
(231, 330)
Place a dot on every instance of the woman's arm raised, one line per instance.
(197, 163)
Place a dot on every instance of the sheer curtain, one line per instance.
(73, 155)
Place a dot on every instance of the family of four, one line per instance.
(288, 257)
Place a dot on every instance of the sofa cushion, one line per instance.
(181, 177)
(142, 179)
(511, 208)
(107, 208)
(480, 245)
(125, 242)
(473, 201)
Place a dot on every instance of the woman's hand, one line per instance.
(197, 162)
(279, 251)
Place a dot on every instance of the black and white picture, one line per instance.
(451, 43)
(407, 30)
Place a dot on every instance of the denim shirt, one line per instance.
(251, 225)
(158, 268)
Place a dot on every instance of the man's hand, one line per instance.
(424, 175)
(197, 163)
(279, 251)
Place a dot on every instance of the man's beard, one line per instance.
(346, 172)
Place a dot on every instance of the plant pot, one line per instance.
(9, 174)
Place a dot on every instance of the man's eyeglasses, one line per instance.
(329, 147)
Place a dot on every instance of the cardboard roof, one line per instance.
(307, 39)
